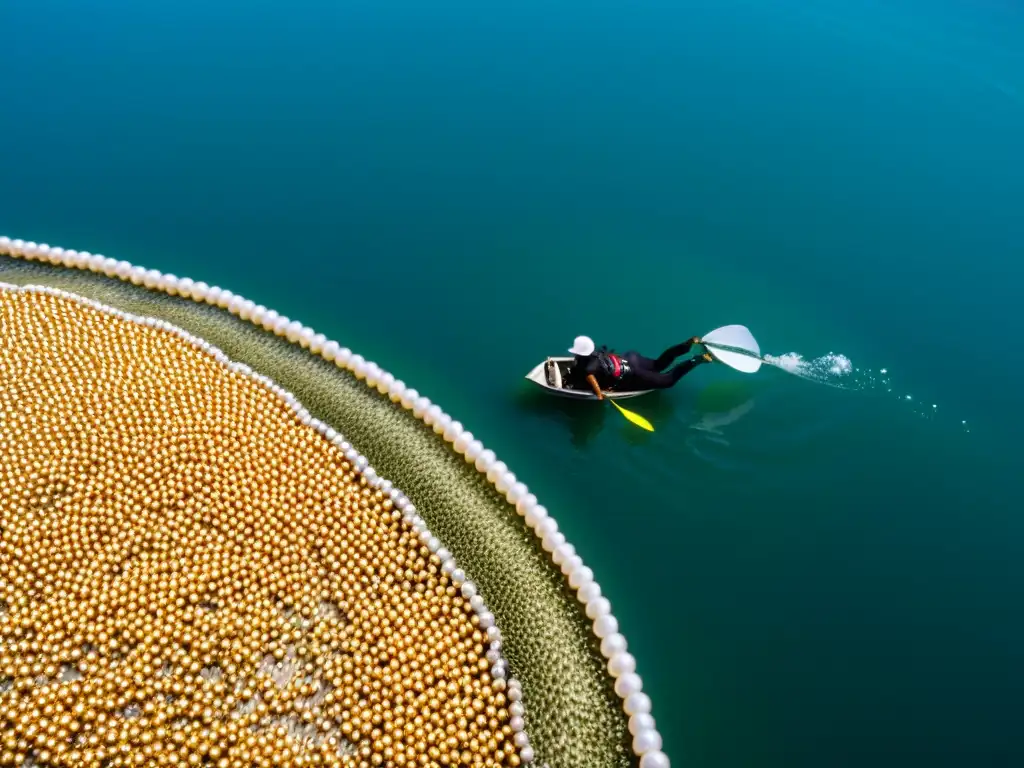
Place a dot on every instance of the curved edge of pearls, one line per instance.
(499, 665)
(647, 741)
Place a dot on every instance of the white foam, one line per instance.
(821, 369)
(836, 370)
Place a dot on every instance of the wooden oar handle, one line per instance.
(597, 389)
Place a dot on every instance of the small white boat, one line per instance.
(552, 374)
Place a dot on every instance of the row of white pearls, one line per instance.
(647, 741)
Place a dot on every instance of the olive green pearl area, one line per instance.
(573, 716)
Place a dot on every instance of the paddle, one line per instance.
(735, 346)
(636, 418)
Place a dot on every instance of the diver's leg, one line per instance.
(669, 355)
(685, 367)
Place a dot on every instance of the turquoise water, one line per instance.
(457, 190)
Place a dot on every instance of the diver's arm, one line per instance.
(593, 383)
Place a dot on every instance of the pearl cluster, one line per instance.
(158, 558)
(647, 741)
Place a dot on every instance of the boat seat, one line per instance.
(554, 375)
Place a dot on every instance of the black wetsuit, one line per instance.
(632, 370)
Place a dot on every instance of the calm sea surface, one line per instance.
(809, 575)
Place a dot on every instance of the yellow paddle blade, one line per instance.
(636, 418)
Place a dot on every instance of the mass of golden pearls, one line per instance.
(193, 571)
(647, 742)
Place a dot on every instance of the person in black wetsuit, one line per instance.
(605, 370)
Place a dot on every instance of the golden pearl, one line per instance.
(192, 571)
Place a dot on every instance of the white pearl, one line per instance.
(563, 552)
(605, 625)
(453, 431)
(547, 526)
(373, 372)
(637, 702)
(443, 554)
(473, 450)
(468, 589)
(514, 693)
(612, 644)
(496, 470)
(498, 671)
(517, 493)
(526, 754)
(409, 398)
(476, 603)
(628, 684)
(621, 664)
(420, 407)
(494, 635)
(598, 608)
(641, 721)
(316, 344)
(5, 243)
(298, 332)
(588, 592)
(580, 576)
(330, 350)
(515, 709)
(110, 269)
(281, 325)
(343, 357)
(397, 389)
(516, 723)
(124, 269)
(549, 544)
(448, 567)
(185, 287)
(536, 515)
(384, 382)
(486, 620)
(458, 577)
(441, 422)
(485, 460)
(431, 414)
(654, 759)
(462, 442)
(527, 501)
(357, 364)
(520, 739)
(647, 740)
(504, 481)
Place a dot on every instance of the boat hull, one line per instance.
(548, 376)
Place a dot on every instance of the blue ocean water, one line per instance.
(808, 575)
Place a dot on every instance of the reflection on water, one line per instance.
(735, 425)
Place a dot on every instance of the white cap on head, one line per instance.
(583, 345)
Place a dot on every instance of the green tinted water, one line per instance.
(807, 574)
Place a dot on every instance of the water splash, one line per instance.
(830, 369)
(836, 370)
